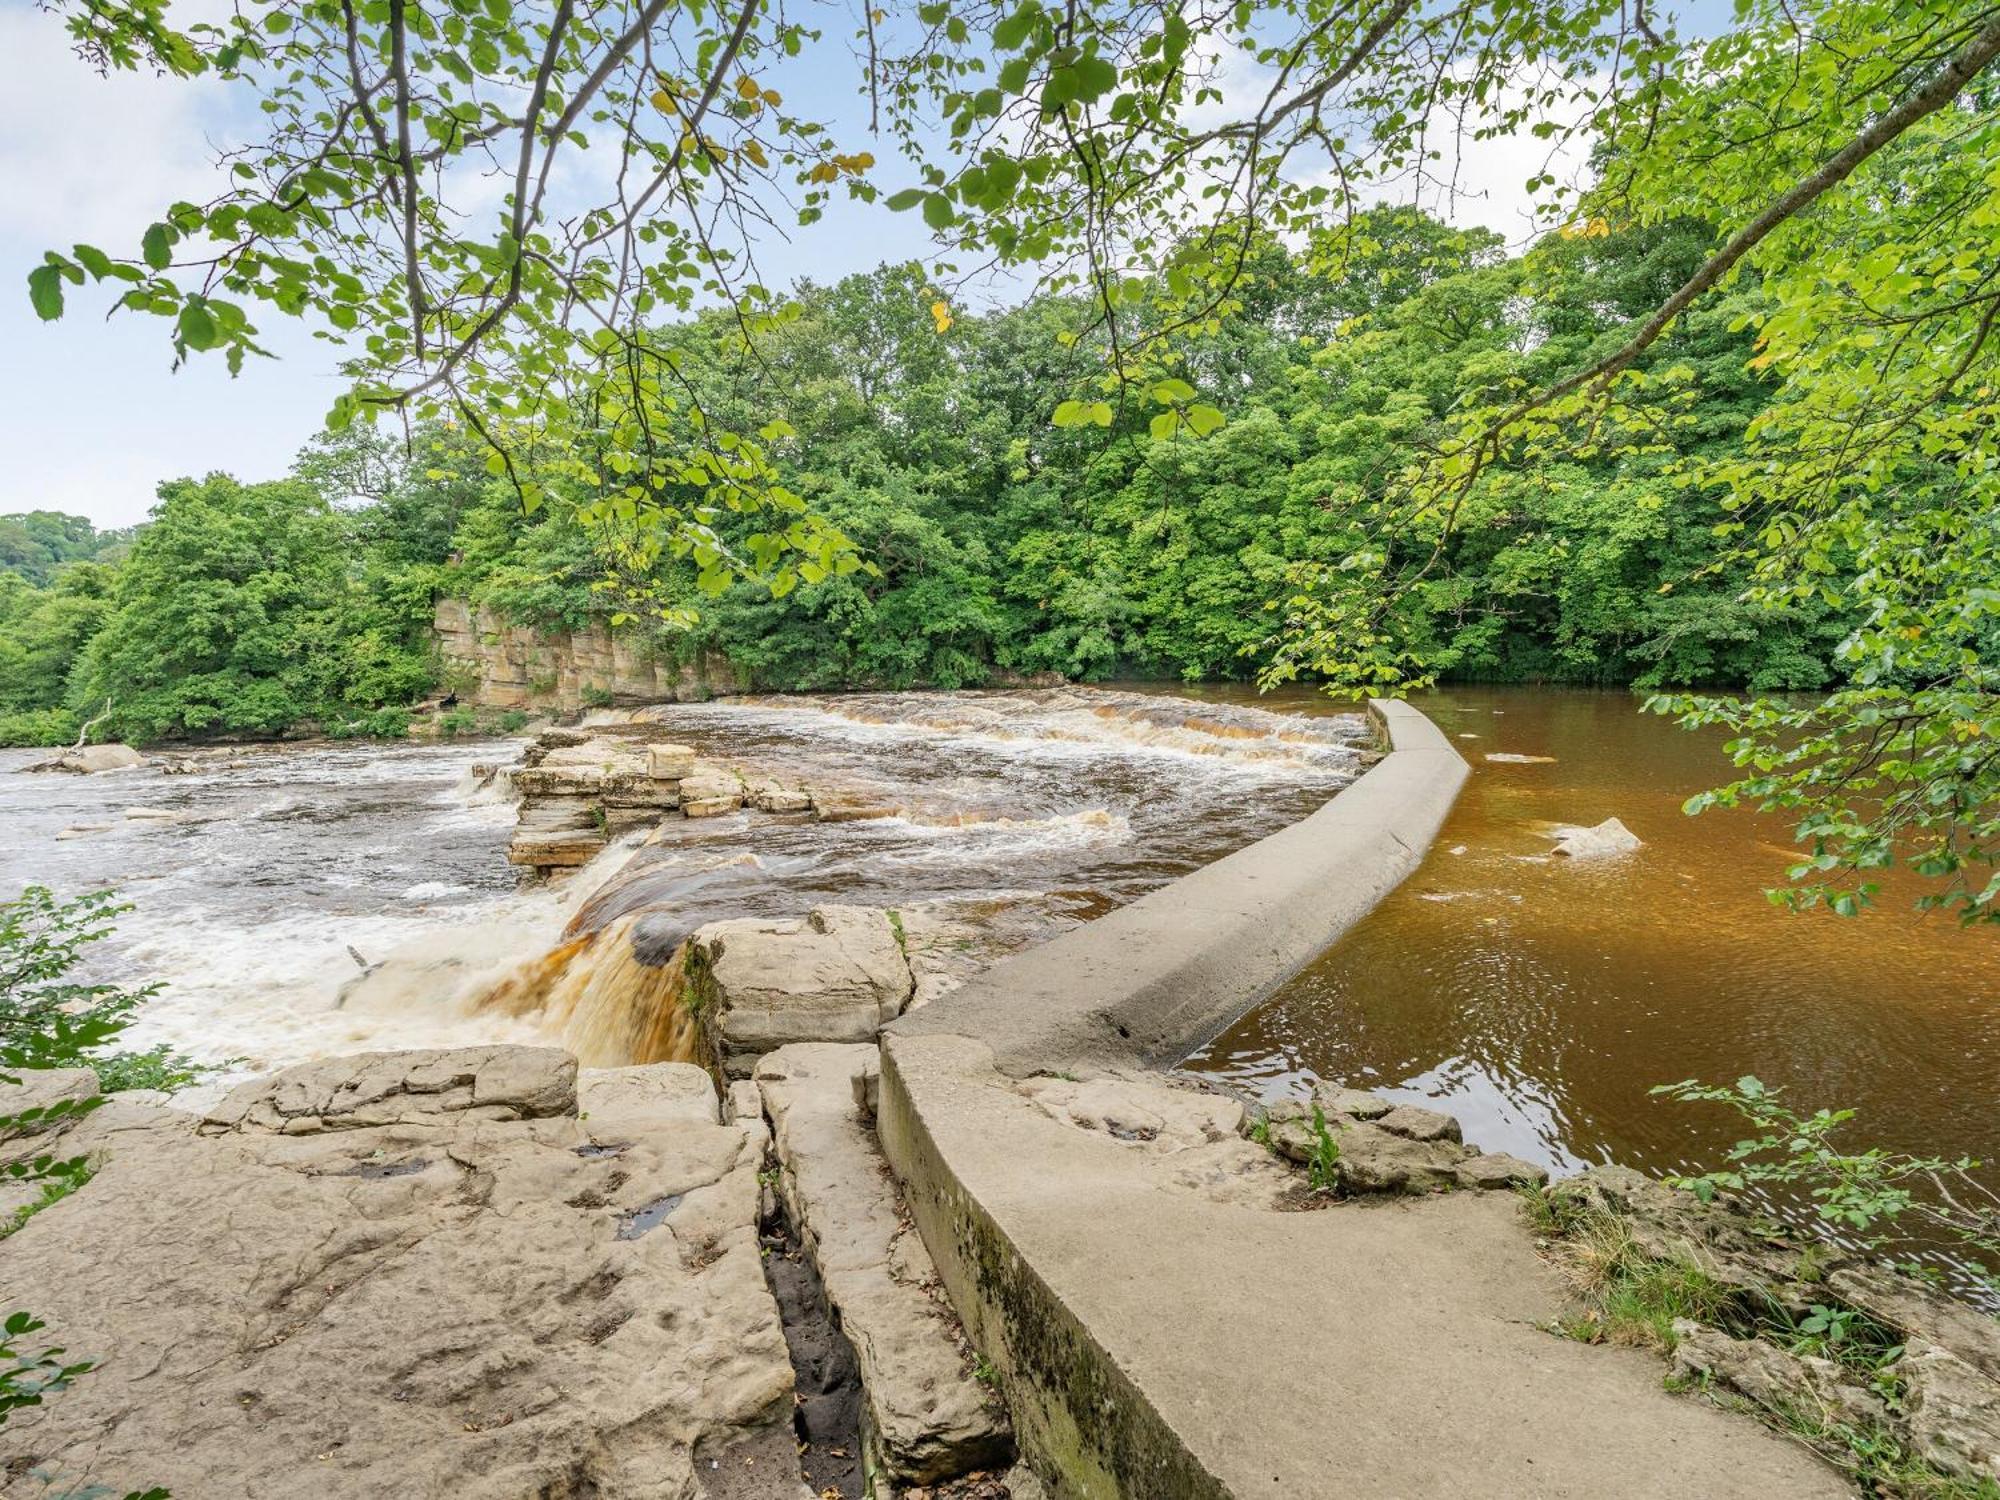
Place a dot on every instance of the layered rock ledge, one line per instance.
(465, 1273)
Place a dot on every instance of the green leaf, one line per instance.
(157, 247)
(45, 292)
(907, 199)
(1013, 31)
(1203, 420)
(197, 329)
(938, 212)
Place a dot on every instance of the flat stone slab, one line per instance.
(928, 1417)
(415, 1274)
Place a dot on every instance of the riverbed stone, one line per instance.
(1601, 839)
(927, 1417)
(454, 1286)
(666, 762)
(1356, 1104)
(837, 975)
(1418, 1124)
(1374, 1160)
(1953, 1411)
(710, 792)
(768, 794)
(88, 760)
(1774, 1378)
(1497, 1171)
(556, 849)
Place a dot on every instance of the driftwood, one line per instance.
(83, 734)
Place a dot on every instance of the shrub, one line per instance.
(38, 726)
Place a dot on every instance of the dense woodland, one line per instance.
(996, 541)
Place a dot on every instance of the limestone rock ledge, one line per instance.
(927, 1416)
(463, 1273)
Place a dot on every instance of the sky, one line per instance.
(92, 415)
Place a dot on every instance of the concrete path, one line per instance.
(1166, 1330)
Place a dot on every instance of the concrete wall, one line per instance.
(1148, 983)
(516, 666)
(1105, 1296)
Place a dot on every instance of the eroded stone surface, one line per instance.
(838, 975)
(1949, 1414)
(927, 1416)
(445, 1284)
(1774, 1378)
(1379, 1146)
(1953, 1411)
(1130, 1110)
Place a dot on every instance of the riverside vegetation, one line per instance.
(997, 543)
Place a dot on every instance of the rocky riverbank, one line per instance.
(477, 1273)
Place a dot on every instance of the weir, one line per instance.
(1111, 1246)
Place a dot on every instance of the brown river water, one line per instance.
(1540, 999)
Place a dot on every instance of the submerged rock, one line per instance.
(1608, 837)
(418, 1273)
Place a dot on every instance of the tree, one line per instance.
(238, 612)
(1097, 148)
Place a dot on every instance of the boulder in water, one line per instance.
(1608, 837)
(87, 760)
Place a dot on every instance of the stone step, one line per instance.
(927, 1416)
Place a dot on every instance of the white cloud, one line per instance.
(91, 158)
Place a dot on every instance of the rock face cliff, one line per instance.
(519, 666)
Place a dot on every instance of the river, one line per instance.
(279, 866)
(1538, 999)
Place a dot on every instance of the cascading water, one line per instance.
(1006, 814)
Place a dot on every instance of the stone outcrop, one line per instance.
(1941, 1356)
(87, 760)
(468, 1273)
(836, 975)
(1373, 1145)
(580, 788)
(515, 666)
(926, 1415)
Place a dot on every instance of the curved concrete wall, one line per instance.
(1106, 1293)
(1152, 981)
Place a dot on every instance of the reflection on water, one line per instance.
(1540, 999)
